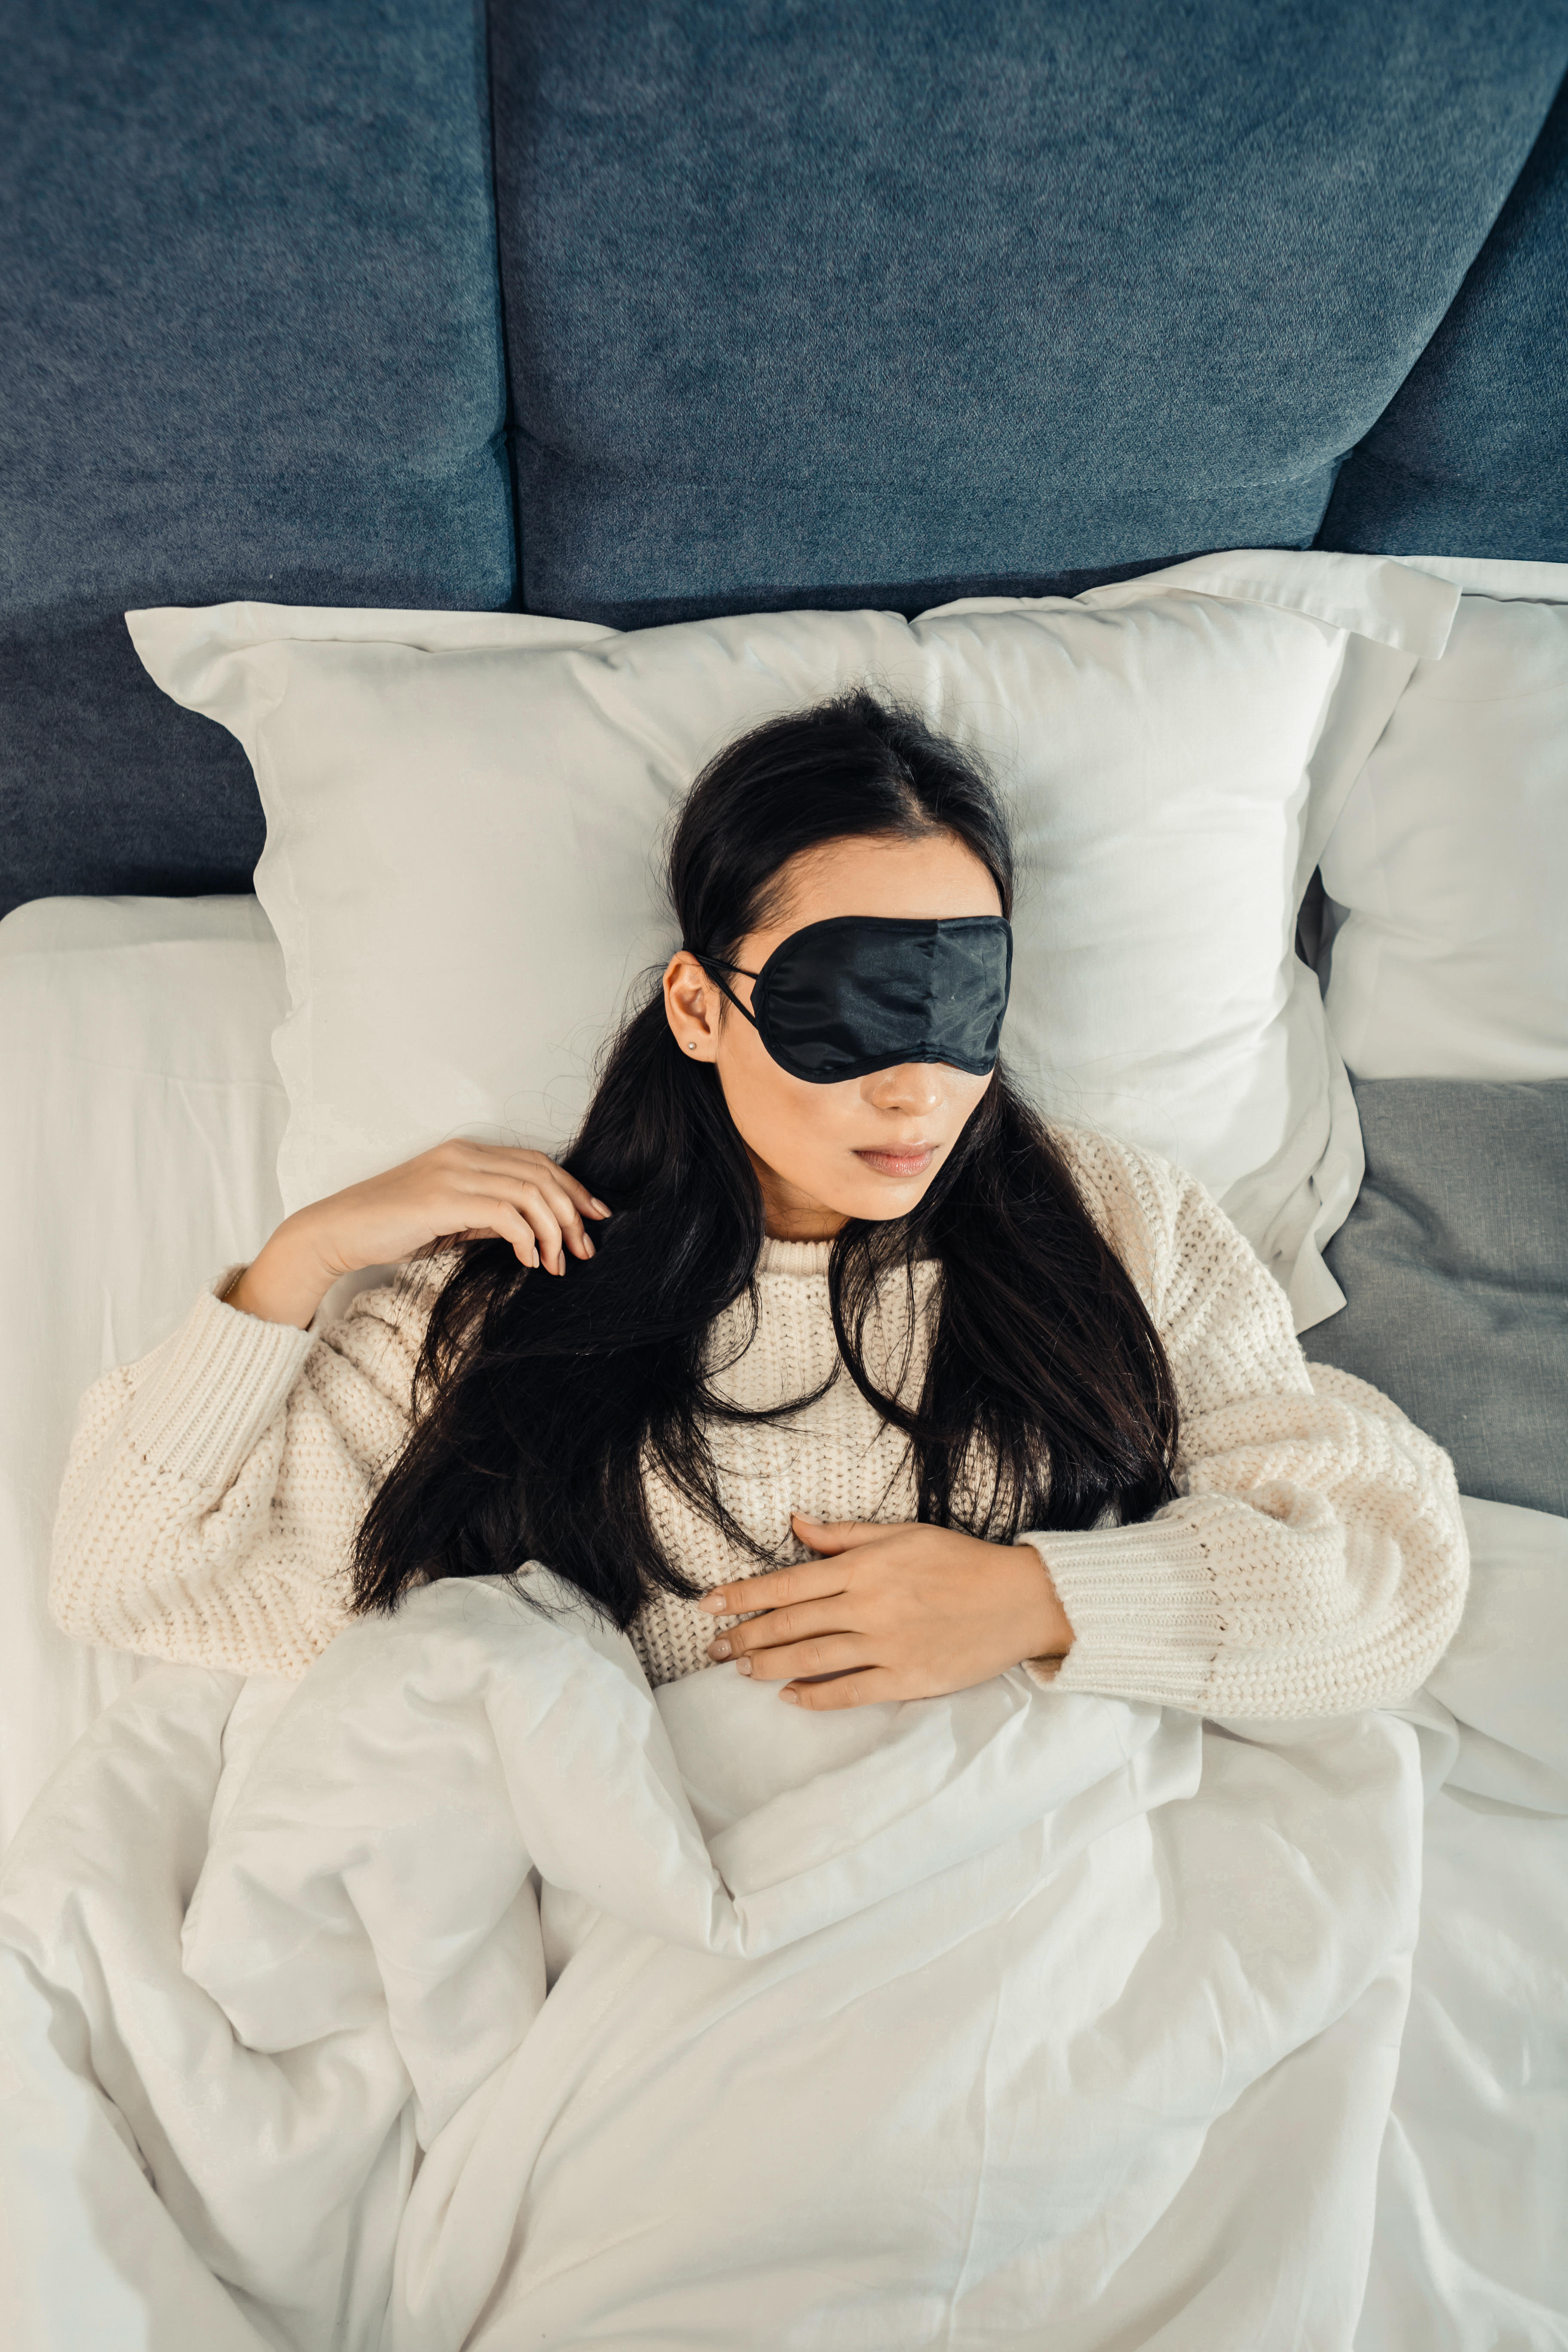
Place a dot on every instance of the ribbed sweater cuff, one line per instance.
(1141, 1605)
(218, 1381)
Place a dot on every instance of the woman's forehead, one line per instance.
(933, 876)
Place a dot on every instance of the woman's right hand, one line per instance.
(456, 1191)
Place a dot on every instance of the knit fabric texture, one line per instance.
(1313, 1562)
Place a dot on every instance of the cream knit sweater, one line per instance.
(1315, 1561)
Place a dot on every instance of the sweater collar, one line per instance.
(794, 1258)
(798, 1258)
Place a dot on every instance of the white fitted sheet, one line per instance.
(142, 1115)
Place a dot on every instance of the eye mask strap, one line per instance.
(708, 964)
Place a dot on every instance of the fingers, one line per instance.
(826, 1653)
(873, 1686)
(811, 1580)
(800, 1621)
(497, 1185)
(511, 1226)
(837, 1535)
(513, 1160)
(528, 1222)
(555, 1225)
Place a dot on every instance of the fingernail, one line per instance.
(793, 1696)
(604, 1212)
(719, 1649)
(742, 1665)
(713, 1600)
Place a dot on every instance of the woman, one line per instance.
(819, 1352)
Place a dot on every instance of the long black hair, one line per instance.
(542, 1402)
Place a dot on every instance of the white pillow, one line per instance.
(1446, 875)
(461, 812)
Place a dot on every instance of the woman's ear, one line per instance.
(693, 1006)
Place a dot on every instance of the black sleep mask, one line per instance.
(863, 993)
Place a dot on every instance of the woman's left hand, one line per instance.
(892, 1612)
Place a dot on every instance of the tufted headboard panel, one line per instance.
(1470, 457)
(796, 302)
(251, 347)
(809, 304)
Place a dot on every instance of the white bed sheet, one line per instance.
(144, 1117)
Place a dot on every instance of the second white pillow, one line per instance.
(1448, 871)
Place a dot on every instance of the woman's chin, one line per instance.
(883, 1198)
(816, 1198)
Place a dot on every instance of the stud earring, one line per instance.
(692, 1044)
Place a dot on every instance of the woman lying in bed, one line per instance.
(820, 1353)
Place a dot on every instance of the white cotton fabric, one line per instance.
(140, 1119)
(469, 1994)
(463, 811)
(1447, 871)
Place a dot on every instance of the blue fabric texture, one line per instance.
(1471, 456)
(1454, 1263)
(804, 304)
(809, 304)
(251, 347)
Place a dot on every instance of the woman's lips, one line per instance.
(910, 1160)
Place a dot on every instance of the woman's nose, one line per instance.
(911, 1086)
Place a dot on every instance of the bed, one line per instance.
(666, 321)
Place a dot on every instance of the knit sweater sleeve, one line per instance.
(214, 1488)
(1315, 1561)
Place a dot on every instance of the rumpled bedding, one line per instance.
(469, 1993)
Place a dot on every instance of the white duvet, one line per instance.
(467, 1993)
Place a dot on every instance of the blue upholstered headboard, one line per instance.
(636, 312)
